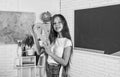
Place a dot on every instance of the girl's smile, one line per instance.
(58, 26)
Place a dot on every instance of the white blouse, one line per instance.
(58, 48)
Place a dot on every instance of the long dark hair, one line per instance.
(65, 33)
(65, 30)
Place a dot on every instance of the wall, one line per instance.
(88, 64)
(37, 6)
(7, 60)
(8, 52)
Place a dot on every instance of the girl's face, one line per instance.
(58, 25)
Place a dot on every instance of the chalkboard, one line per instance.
(98, 28)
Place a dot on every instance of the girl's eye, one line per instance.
(54, 23)
(57, 23)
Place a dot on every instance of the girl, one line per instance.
(59, 49)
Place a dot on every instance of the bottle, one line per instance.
(19, 49)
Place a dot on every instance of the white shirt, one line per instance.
(58, 48)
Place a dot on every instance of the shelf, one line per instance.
(29, 66)
(26, 61)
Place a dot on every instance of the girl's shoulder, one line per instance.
(68, 42)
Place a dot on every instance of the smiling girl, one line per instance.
(59, 49)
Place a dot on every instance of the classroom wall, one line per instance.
(89, 64)
(8, 52)
(37, 6)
